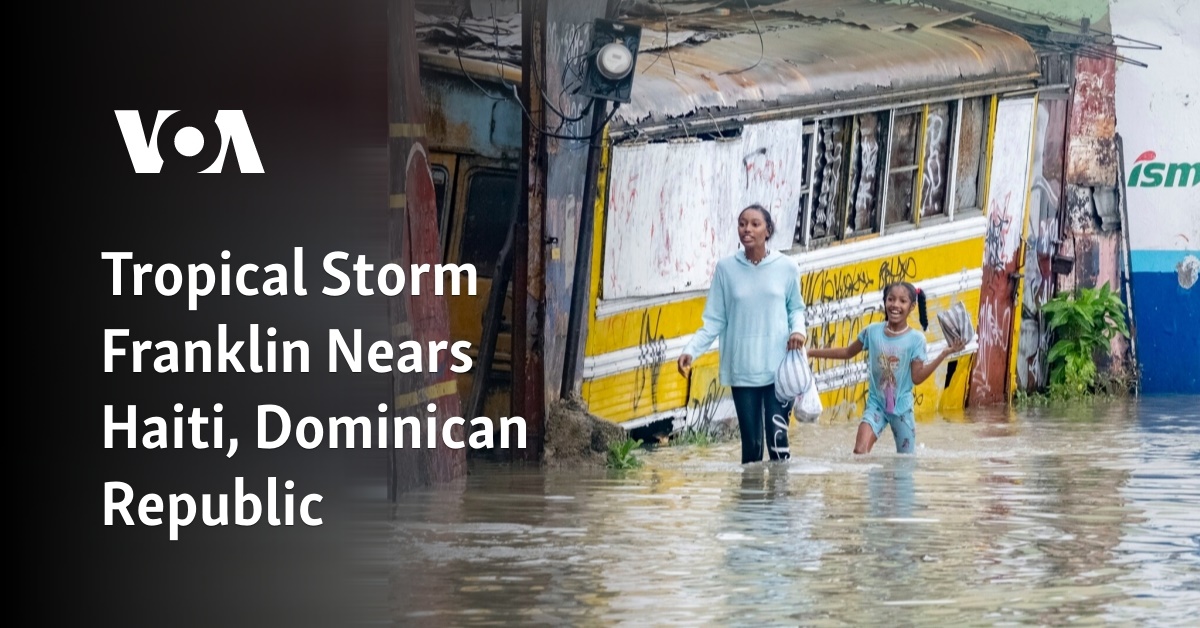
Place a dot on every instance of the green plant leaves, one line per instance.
(1061, 349)
(1083, 322)
(621, 456)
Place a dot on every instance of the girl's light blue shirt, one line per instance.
(889, 361)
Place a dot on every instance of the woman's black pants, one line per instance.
(762, 419)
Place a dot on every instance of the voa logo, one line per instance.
(1148, 173)
(188, 141)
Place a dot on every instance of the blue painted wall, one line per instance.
(1167, 316)
(1159, 130)
(480, 118)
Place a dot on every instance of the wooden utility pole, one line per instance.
(413, 232)
(529, 271)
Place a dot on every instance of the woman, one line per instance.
(755, 308)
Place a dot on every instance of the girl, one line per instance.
(754, 306)
(896, 363)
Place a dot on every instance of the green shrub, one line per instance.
(1083, 322)
(621, 456)
(697, 437)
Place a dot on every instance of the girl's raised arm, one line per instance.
(838, 353)
(921, 370)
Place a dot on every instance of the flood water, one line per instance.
(1086, 515)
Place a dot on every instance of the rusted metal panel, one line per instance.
(810, 62)
(1080, 210)
(463, 118)
(673, 207)
(1095, 261)
(1097, 257)
(1041, 243)
(1092, 152)
(786, 54)
(1007, 190)
(413, 234)
(478, 36)
(875, 16)
(529, 266)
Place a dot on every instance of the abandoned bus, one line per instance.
(889, 142)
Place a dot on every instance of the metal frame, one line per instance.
(1014, 350)
(990, 100)
(952, 165)
(847, 199)
(952, 117)
(819, 111)
(833, 237)
(468, 165)
(919, 180)
(887, 173)
(449, 163)
(922, 110)
(808, 136)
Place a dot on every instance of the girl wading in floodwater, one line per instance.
(896, 363)
(755, 308)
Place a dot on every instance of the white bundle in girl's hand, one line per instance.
(794, 381)
(956, 324)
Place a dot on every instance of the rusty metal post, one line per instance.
(412, 225)
(529, 267)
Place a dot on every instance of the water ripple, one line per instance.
(1088, 516)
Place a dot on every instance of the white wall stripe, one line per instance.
(830, 379)
(832, 256)
(819, 314)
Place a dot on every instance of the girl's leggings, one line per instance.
(762, 419)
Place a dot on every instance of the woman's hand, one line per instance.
(685, 364)
(796, 341)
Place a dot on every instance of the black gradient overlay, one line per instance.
(310, 77)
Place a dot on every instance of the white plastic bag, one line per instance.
(808, 405)
(793, 376)
(794, 381)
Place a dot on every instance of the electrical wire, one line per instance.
(496, 44)
(762, 47)
(716, 126)
(542, 131)
(563, 118)
(545, 99)
(1145, 45)
(458, 53)
(569, 66)
(666, 44)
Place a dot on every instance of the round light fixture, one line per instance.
(614, 61)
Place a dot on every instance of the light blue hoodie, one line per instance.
(753, 310)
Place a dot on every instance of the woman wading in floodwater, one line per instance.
(754, 307)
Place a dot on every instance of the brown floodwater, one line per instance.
(1086, 515)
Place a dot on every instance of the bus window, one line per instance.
(491, 204)
(441, 183)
